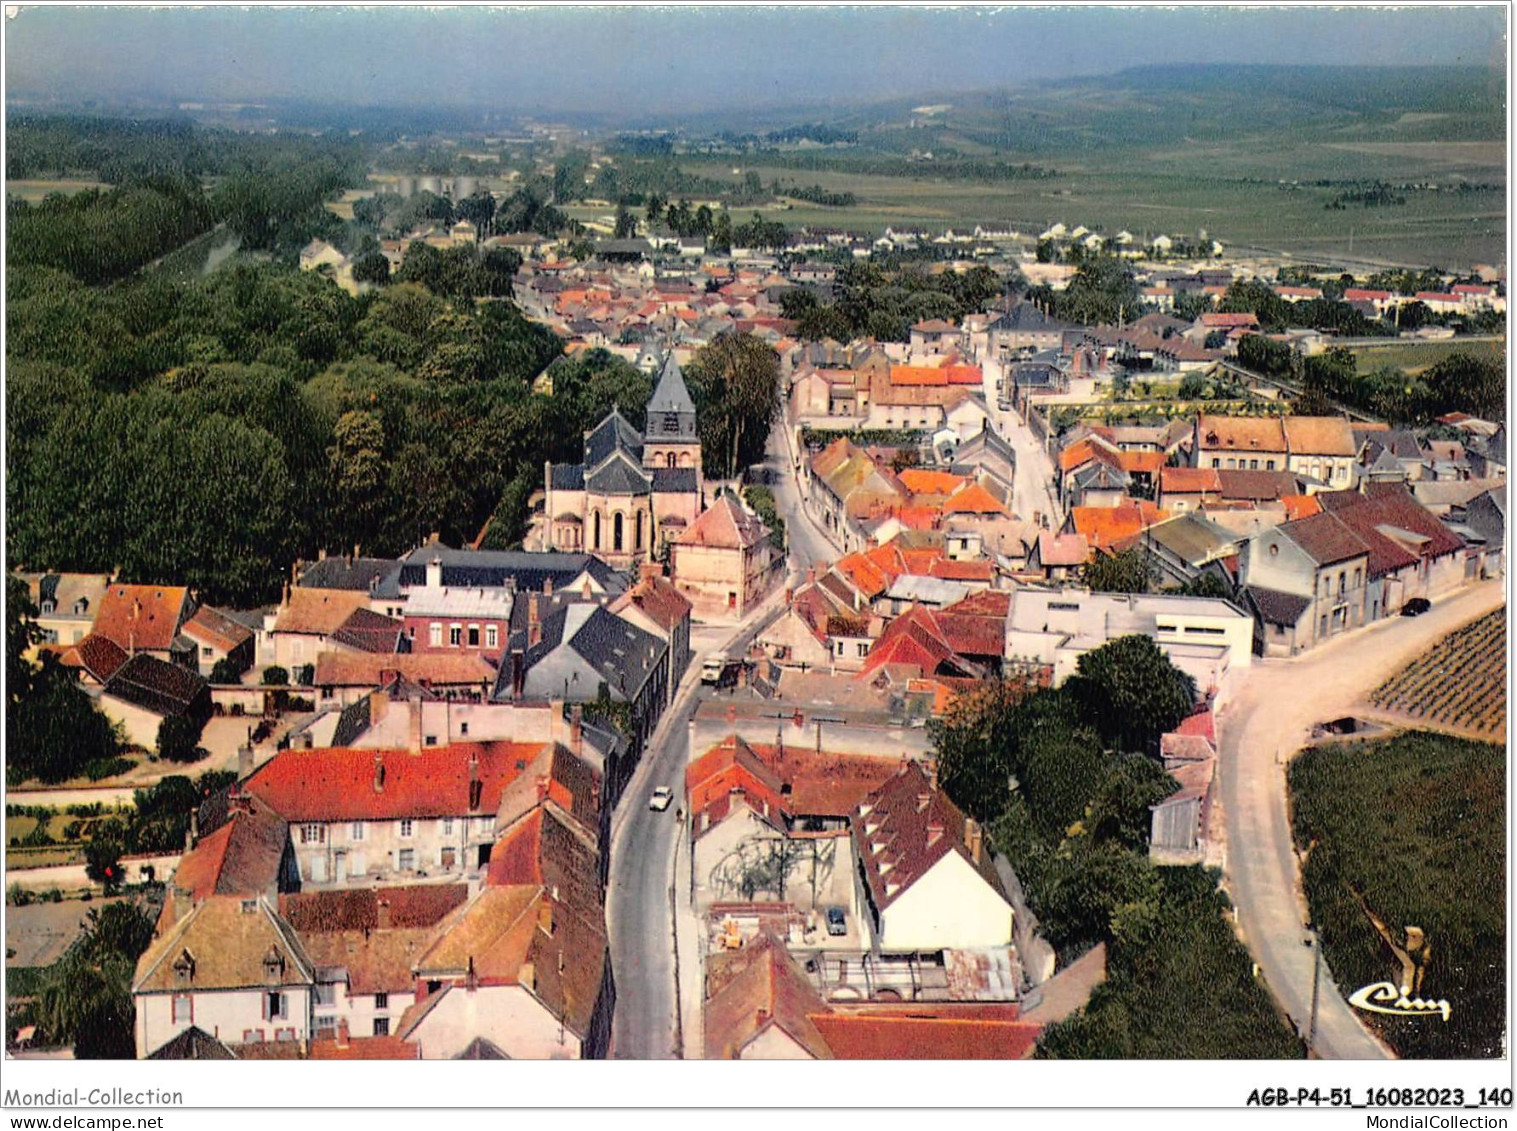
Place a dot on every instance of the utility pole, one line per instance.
(1315, 942)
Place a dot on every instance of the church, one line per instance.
(634, 492)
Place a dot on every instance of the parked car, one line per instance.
(661, 798)
(719, 671)
(1416, 607)
(837, 923)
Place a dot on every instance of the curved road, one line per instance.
(1268, 719)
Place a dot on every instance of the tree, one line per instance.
(179, 738)
(1132, 693)
(626, 223)
(86, 999)
(102, 856)
(735, 386)
(275, 676)
(1126, 571)
(976, 747)
(372, 268)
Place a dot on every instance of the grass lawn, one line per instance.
(1411, 830)
(1416, 356)
(35, 191)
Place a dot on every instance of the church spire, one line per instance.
(670, 395)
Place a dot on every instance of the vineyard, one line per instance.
(1459, 683)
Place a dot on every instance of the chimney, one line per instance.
(934, 834)
(548, 586)
(413, 743)
(577, 728)
(434, 574)
(649, 570)
(763, 1018)
(518, 673)
(973, 838)
(471, 978)
(476, 787)
(534, 622)
(811, 575)
(342, 1032)
(542, 787)
(382, 914)
(789, 596)
(379, 771)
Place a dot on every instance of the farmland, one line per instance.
(1458, 684)
(1409, 831)
(36, 191)
(1413, 357)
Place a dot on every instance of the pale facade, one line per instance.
(949, 907)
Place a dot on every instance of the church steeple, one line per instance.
(671, 412)
(671, 439)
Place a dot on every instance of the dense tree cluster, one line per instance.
(873, 301)
(99, 236)
(734, 382)
(85, 999)
(1064, 778)
(1102, 290)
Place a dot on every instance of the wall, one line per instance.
(360, 1012)
(141, 726)
(950, 907)
(380, 845)
(509, 1016)
(222, 1013)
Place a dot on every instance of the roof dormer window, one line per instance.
(184, 966)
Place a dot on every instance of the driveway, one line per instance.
(1269, 719)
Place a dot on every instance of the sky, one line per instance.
(633, 60)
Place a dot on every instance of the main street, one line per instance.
(1269, 718)
(1033, 490)
(639, 910)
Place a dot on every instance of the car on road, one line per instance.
(661, 798)
(837, 923)
(1416, 607)
(719, 671)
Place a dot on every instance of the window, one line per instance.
(326, 1026)
(448, 858)
(492, 636)
(1216, 462)
(431, 740)
(1269, 465)
(406, 860)
(1253, 465)
(312, 834)
(447, 826)
(381, 1002)
(184, 1009)
(207, 652)
(381, 1026)
(356, 831)
(407, 827)
(325, 993)
(1356, 577)
(250, 1036)
(435, 635)
(274, 1006)
(455, 635)
(411, 632)
(1342, 581)
(863, 650)
(474, 636)
(463, 729)
(284, 1034)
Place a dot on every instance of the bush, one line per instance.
(226, 670)
(102, 768)
(179, 738)
(275, 676)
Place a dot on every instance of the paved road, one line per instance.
(639, 912)
(1033, 492)
(1267, 721)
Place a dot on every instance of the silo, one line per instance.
(429, 184)
(405, 186)
(465, 187)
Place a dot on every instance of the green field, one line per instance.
(1410, 829)
(1180, 192)
(1415, 356)
(35, 191)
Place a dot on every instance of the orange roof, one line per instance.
(1110, 527)
(922, 481)
(1141, 462)
(1083, 451)
(364, 1048)
(141, 616)
(320, 612)
(1189, 480)
(928, 1032)
(917, 375)
(973, 499)
(964, 374)
(1300, 506)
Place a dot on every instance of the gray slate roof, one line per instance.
(611, 433)
(674, 480)
(671, 395)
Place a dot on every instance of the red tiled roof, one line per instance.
(1325, 538)
(928, 1032)
(371, 669)
(1247, 318)
(916, 639)
(903, 376)
(101, 656)
(973, 499)
(141, 616)
(1375, 518)
(318, 612)
(1300, 506)
(1062, 549)
(750, 991)
(732, 766)
(1189, 481)
(1111, 527)
(905, 827)
(364, 1048)
(1141, 462)
(209, 626)
(339, 784)
(725, 525)
(358, 909)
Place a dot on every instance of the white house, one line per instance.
(929, 883)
